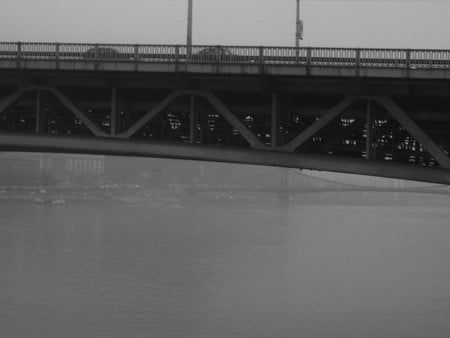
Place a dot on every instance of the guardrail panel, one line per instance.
(8, 50)
(285, 56)
(156, 53)
(333, 57)
(384, 58)
(76, 52)
(430, 59)
(38, 51)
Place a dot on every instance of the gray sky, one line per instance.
(356, 23)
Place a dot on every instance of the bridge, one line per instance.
(381, 112)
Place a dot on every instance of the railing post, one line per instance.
(96, 56)
(358, 57)
(177, 57)
(188, 53)
(136, 53)
(308, 60)
(19, 53)
(261, 59)
(408, 62)
(57, 47)
(218, 54)
(408, 58)
(136, 57)
(358, 61)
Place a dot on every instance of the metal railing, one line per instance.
(306, 56)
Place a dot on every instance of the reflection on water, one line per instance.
(256, 267)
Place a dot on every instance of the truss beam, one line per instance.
(13, 97)
(221, 108)
(415, 131)
(319, 124)
(92, 126)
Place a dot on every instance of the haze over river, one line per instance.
(343, 264)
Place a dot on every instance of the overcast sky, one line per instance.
(356, 23)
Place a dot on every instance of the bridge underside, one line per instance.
(389, 128)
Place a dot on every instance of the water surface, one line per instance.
(321, 265)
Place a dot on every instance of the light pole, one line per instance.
(189, 25)
(298, 27)
(297, 40)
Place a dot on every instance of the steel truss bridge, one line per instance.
(381, 112)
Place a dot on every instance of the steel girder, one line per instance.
(280, 132)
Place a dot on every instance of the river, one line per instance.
(318, 265)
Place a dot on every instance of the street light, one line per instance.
(298, 27)
(189, 25)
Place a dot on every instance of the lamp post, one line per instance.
(297, 39)
(298, 27)
(189, 24)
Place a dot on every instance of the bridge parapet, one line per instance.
(300, 61)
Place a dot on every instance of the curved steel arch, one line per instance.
(185, 151)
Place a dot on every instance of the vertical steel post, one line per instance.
(177, 58)
(408, 61)
(276, 111)
(261, 59)
(19, 54)
(358, 61)
(39, 117)
(308, 60)
(194, 120)
(369, 136)
(115, 125)
(57, 52)
(136, 57)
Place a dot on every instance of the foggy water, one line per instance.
(242, 267)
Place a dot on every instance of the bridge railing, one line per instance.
(387, 58)
(305, 56)
(333, 56)
(430, 58)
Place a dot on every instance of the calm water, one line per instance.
(227, 268)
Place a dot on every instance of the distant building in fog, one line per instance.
(19, 168)
(86, 164)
